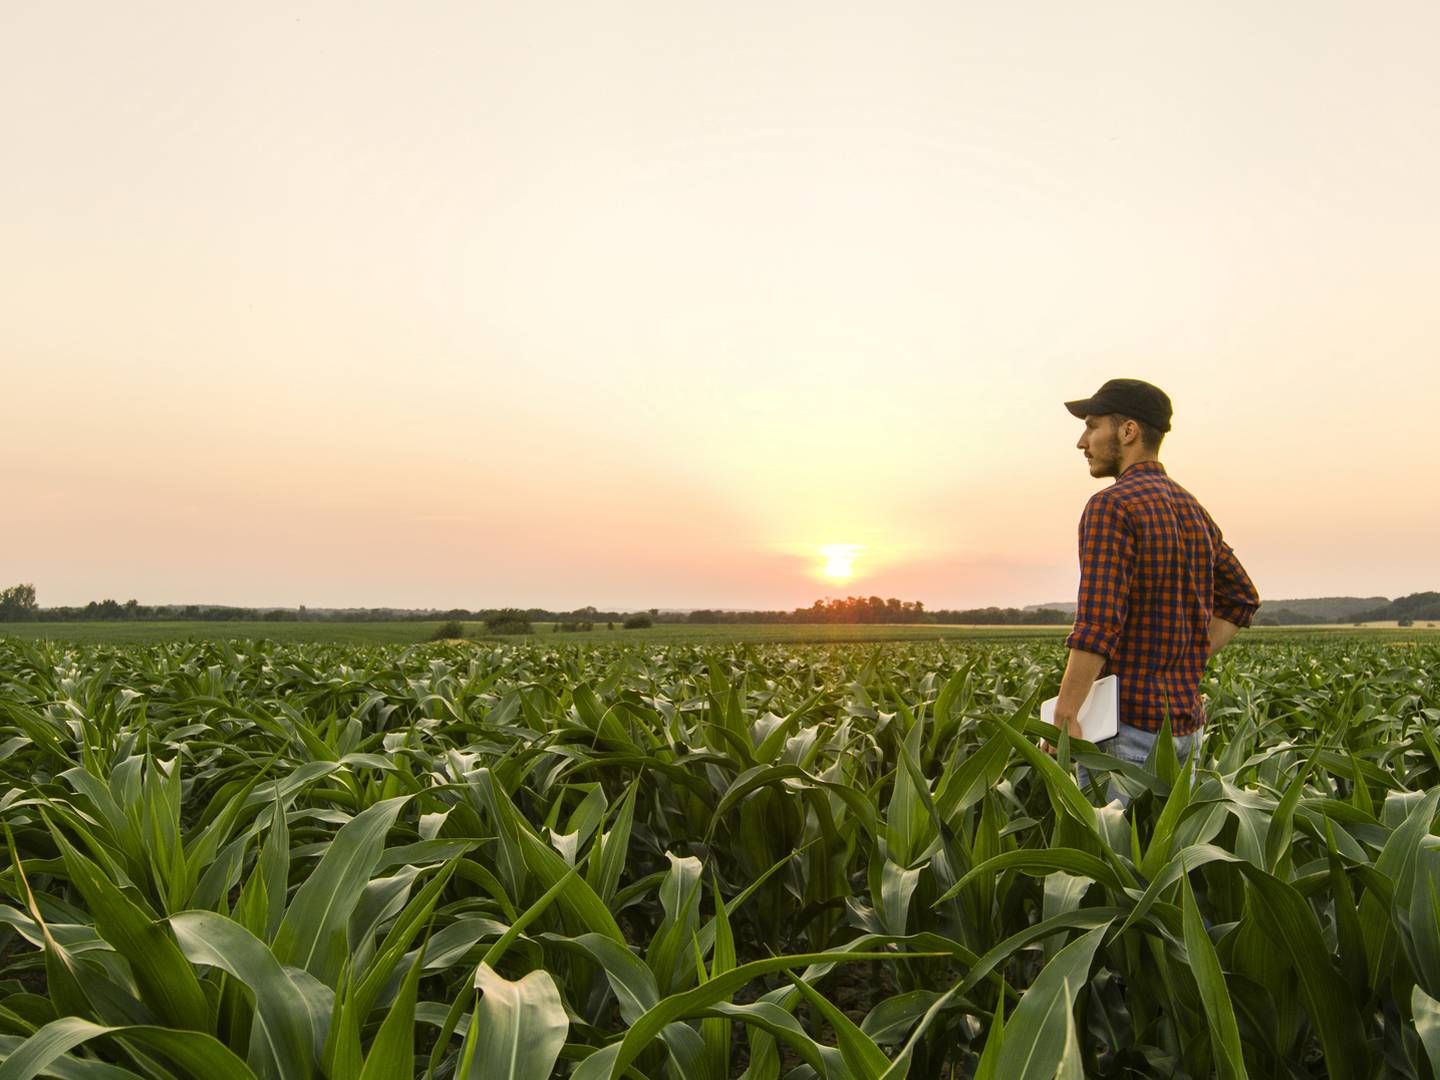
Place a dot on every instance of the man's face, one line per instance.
(1101, 443)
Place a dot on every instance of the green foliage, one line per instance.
(256, 859)
(17, 604)
(508, 621)
(638, 622)
(448, 631)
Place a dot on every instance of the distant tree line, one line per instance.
(1286, 617)
(872, 609)
(1422, 605)
(18, 604)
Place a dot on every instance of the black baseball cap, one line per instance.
(1134, 398)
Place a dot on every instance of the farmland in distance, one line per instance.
(413, 631)
(702, 858)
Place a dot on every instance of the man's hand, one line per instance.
(1081, 671)
(1069, 723)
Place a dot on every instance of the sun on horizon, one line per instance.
(839, 565)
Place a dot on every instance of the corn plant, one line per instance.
(292, 861)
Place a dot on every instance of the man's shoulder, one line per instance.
(1182, 493)
(1192, 508)
(1107, 502)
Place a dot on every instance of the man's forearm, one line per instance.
(1221, 631)
(1081, 671)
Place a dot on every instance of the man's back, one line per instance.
(1154, 569)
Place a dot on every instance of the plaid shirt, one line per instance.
(1153, 569)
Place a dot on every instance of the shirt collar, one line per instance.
(1142, 467)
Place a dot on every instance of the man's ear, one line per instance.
(1129, 431)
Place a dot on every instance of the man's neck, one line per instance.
(1140, 459)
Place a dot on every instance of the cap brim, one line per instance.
(1082, 409)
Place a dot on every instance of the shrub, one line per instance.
(447, 630)
(638, 622)
(508, 621)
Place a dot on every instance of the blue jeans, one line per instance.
(1133, 745)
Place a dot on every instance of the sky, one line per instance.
(644, 304)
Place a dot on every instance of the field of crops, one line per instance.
(406, 632)
(145, 632)
(706, 861)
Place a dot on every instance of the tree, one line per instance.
(17, 604)
(508, 621)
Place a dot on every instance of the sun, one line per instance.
(839, 561)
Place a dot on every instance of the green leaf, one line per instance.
(717, 1031)
(1277, 837)
(166, 981)
(274, 869)
(1420, 915)
(282, 1039)
(521, 1027)
(1396, 862)
(496, 952)
(407, 926)
(1035, 1037)
(1071, 1065)
(680, 901)
(1426, 1011)
(612, 1061)
(769, 1022)
(1039, 863)
(194, 1052)
(989, 1066)
(341, 1057)
(907, 820)
(761, 776)
(392, 1054)
(539, 858)
(1065, 795)
(1162, 838)
(1205, 967)
(62, 973)
(71, 1068)
(865, 1060)
(608, 854)
(1287, 918)
(897, 886)
(312, 933)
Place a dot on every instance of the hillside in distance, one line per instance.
(1320, 609)
(1333, 608)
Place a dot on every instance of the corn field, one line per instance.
(367, 863)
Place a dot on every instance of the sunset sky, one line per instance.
(644, 304)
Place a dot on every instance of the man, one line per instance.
(1160, 590)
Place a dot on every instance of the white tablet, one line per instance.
(1099, 716)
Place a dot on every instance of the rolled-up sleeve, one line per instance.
(1236, 599)
(1107, 562)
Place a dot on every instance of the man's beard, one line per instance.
(1109, 465)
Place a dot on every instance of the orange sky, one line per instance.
(641, 305)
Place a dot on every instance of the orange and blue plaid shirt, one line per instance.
(1153, 570)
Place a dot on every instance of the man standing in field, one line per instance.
(1160, 590)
